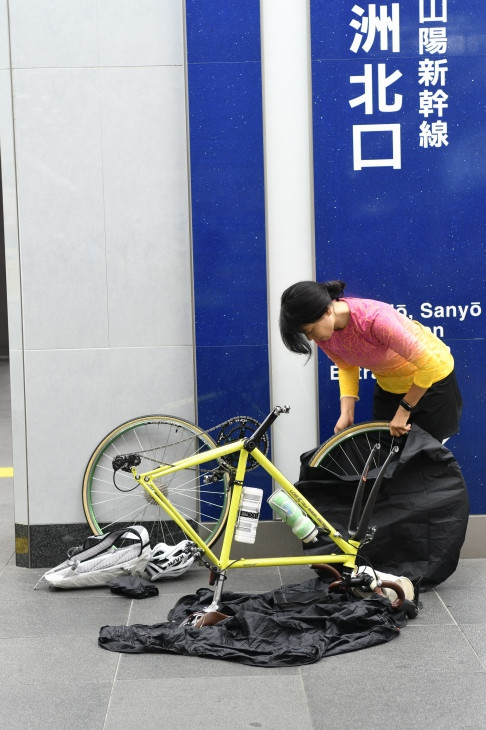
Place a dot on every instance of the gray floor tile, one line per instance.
(252, 580)
(196, 577)
(7, 549)
(6, 491)
(61, 613)
(476, 636)
(52, 660)
(467, 606)
(5, 423)
(278, 703)
(433, 611)
(296, 574)
(405, 700)
(21, 579)
(470, 573)
(153, 610)
(419, 649)
(5, 441)
(54, 707)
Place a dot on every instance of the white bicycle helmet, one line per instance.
(170, 561)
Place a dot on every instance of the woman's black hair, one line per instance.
(304, 303)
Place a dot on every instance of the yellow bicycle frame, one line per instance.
(348, 548)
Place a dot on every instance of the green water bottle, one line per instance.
(290, 513)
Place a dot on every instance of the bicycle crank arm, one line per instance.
(250, 443)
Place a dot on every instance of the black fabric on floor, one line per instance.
(420, 515)
(133, 587)
(294, 625)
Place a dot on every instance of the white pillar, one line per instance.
(287, 115)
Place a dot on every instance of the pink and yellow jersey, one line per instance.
(397, 350)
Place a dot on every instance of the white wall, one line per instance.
(99, 260)
(289, 212)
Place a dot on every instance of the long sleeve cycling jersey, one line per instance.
(397, 350)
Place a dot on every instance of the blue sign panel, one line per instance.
(228, 212)
(399, 92)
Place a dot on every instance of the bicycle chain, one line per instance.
(220, 426)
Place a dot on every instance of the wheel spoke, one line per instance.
(111, 501)
(345, 454)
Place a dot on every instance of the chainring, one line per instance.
(241, 427)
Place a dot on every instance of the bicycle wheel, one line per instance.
(112, 500)
(345, 453)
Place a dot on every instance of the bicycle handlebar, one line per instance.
(252, 441)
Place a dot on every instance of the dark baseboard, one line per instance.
(44, 546)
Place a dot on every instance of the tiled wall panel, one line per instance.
(104, 287)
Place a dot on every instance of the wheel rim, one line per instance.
(158, 439)
(344, 455)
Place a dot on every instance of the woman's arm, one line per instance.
(399, 424)
(348, 388)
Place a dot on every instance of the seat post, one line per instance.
(218, 592)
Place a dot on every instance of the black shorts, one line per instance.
(438, 411)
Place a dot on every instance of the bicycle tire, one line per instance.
(344, 454)
(110, 503)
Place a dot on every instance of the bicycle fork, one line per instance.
(359, 530)
(358, 527)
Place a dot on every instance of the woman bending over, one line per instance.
(414, 369)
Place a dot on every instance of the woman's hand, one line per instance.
(342, 423)
(399, 424)
(347, 414)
